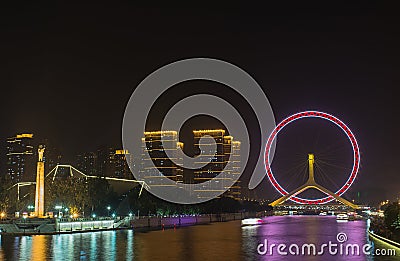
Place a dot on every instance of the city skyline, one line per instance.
(90, 162)
(73, 89)
(224, 131)
(113, 162)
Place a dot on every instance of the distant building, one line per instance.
(106, 162)
(87, 163)
(52, 158)
(120, 166)
(160, 167)
(227, 151)
(20, 159)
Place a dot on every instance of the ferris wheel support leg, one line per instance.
(289, 195)
(338, 198)
(315, 186)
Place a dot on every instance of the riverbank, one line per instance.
(145, 223)
(383, 240)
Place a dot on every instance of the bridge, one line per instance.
(120, 185)
(21, 184)
(312, 184)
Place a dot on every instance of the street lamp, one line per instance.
(30, 208)
(130, 215)
(108, 208)
(94, 215)
(59, 210)
(66, 212)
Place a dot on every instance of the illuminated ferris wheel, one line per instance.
(311, 183)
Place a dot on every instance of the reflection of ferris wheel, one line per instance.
(311, 182)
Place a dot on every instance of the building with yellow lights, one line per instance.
(20, 159)
(227, 151)
(159, 166)
(106, 162)
(234, 170)
(120, 164)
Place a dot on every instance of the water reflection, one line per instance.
(26, 248)
(129, 245)
(38, 248)
(1, 251)
(217, 241)
(299, 230)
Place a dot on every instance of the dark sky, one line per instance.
(67, 71)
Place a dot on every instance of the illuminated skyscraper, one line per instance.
(217, 161)
(120, 166)
(227, 151)
(159, 162)
(159, 167)
(233, 156)
(20, 160)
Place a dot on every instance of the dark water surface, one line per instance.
(217, 241)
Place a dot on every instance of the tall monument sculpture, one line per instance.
(39, 195)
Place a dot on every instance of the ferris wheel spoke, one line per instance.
(296, 178)
(333, 165)
(333, 148)
(326, 176)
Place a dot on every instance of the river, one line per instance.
(215, 241)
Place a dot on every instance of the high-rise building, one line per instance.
(20, 160)
(233, 156)
(160, 167)
(52, 158)
(120, 164)
(104, 157)
(227, 151)
(106, 162)
(216, 161)
(87, 162)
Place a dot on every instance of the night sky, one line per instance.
(67, 71)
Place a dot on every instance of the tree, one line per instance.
(80, 195)
(70, 192)
(391, 215)
(392, 221)
(100, 195)
(5, 194)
